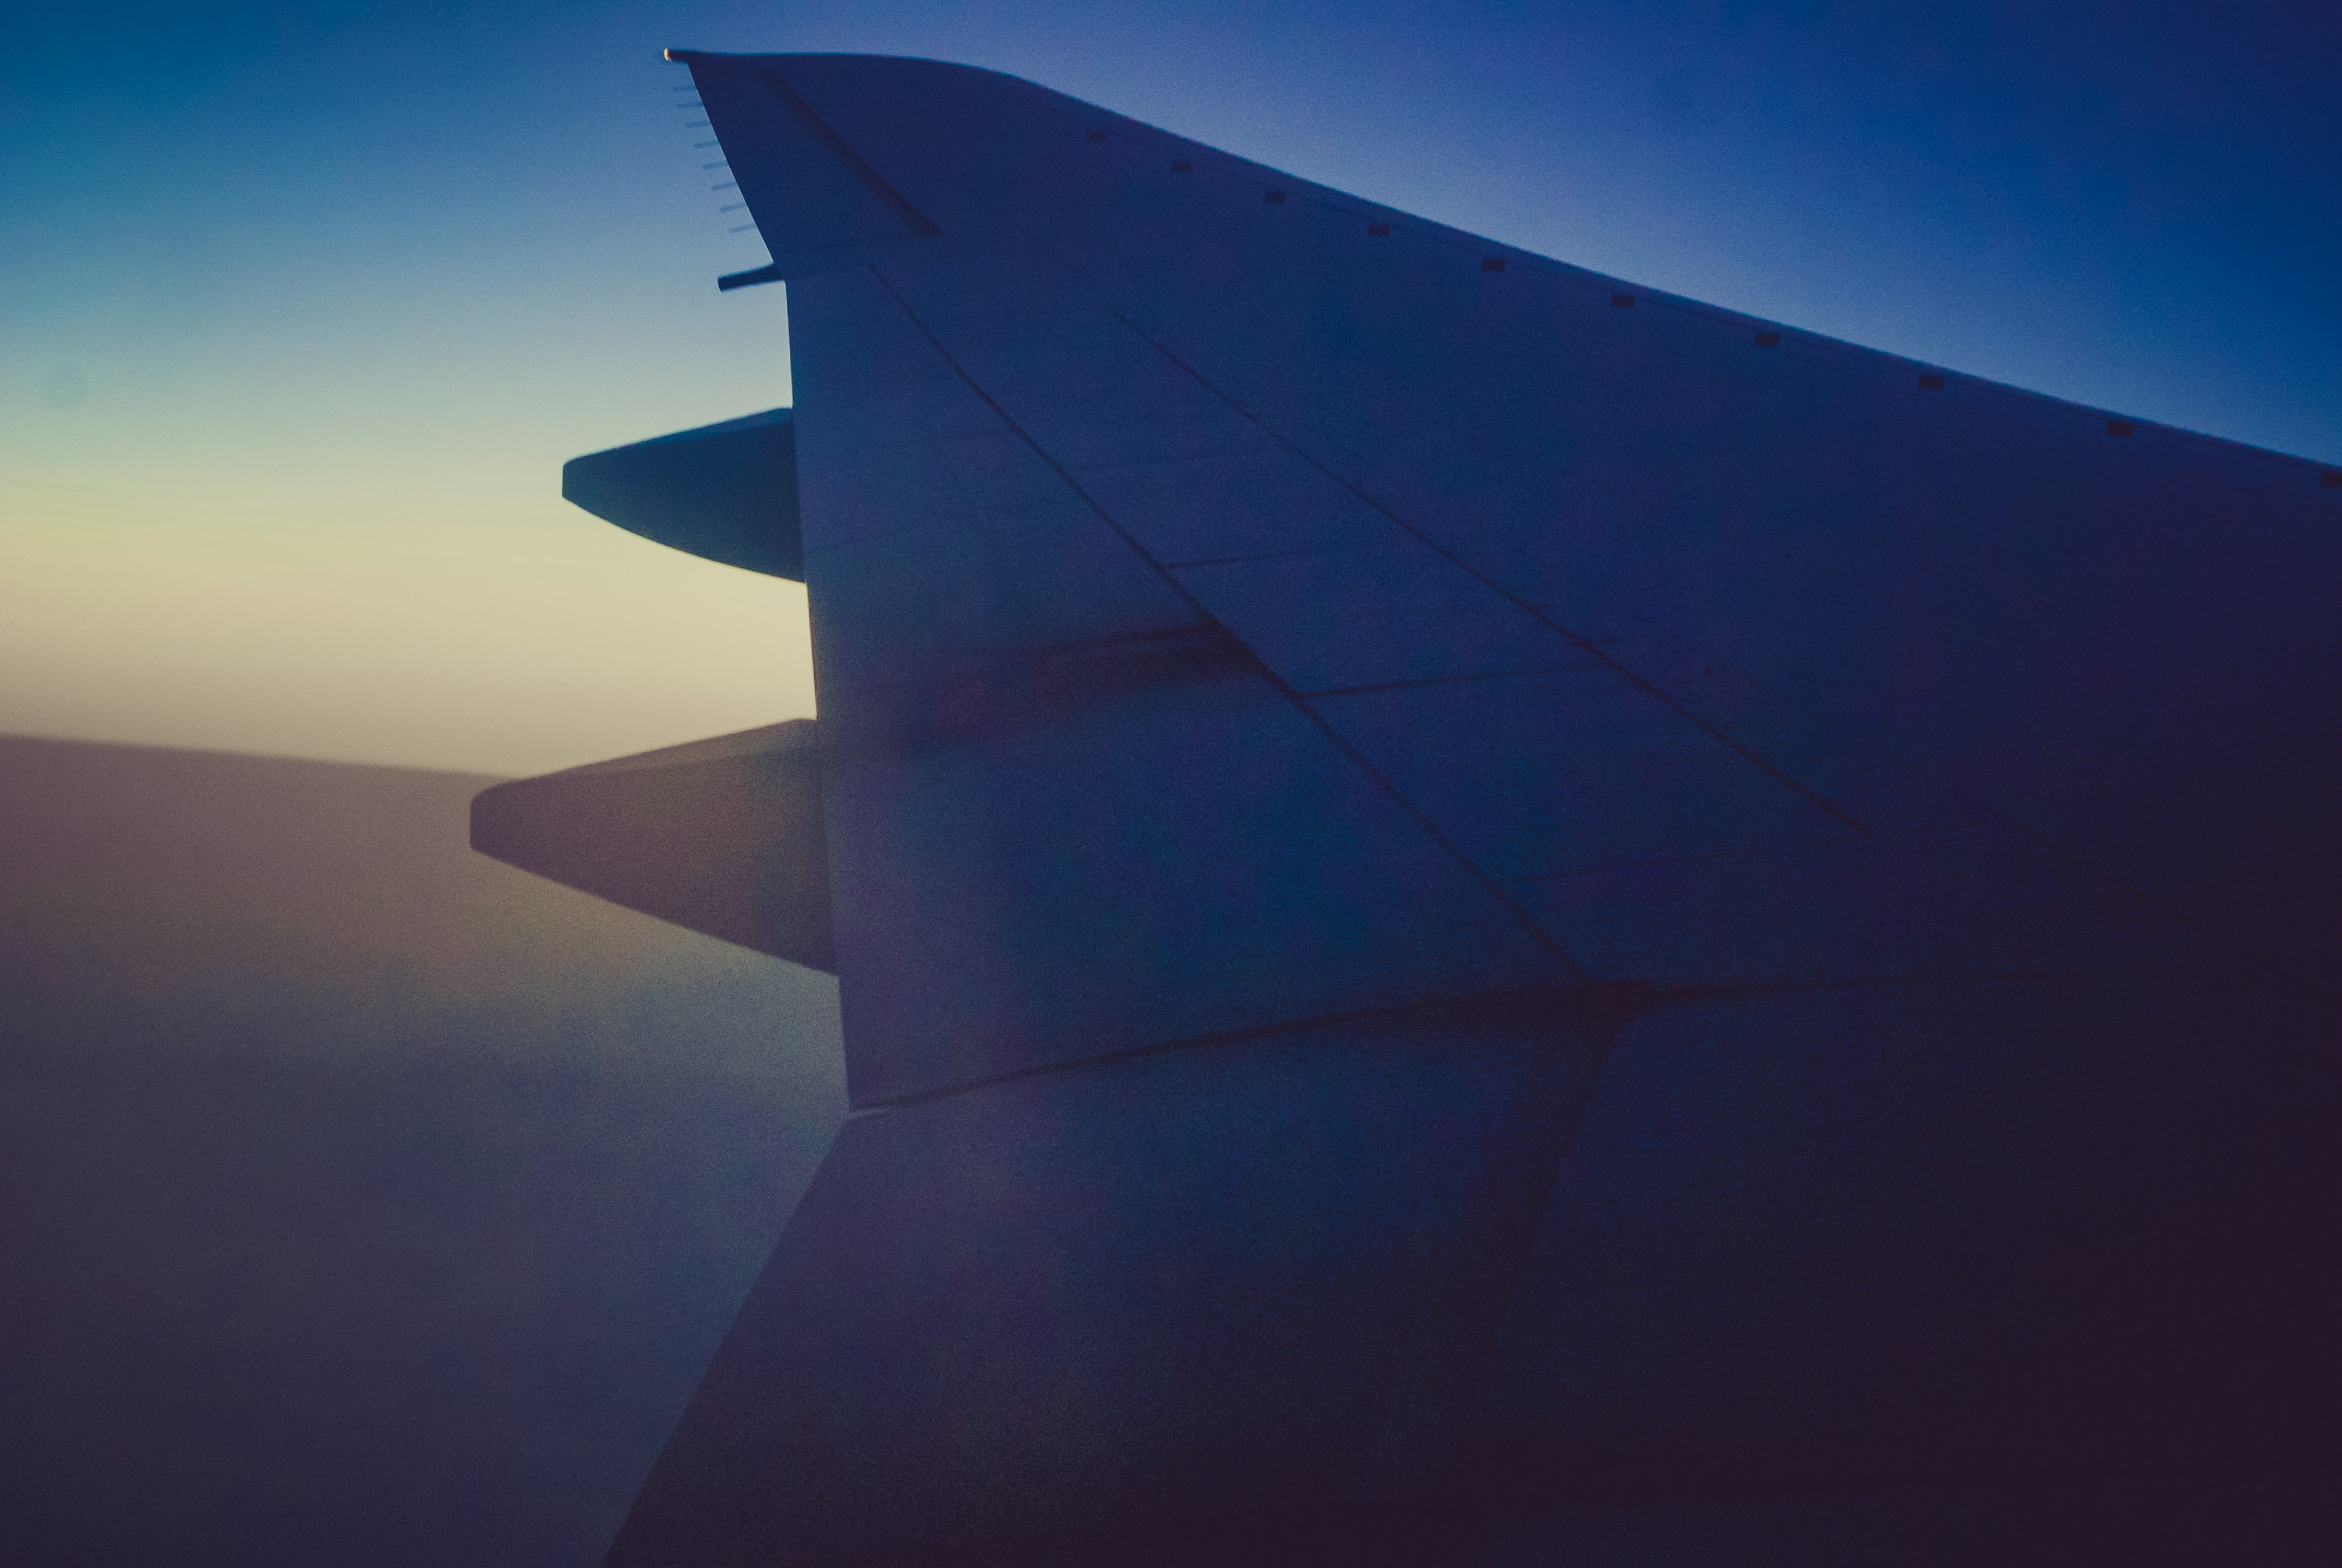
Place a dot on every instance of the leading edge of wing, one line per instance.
(841, 157)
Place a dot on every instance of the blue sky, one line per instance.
(302, 306)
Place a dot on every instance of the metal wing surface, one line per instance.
(1472, 902)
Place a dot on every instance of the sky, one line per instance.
(302, 306)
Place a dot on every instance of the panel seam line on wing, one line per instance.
(1619, 1001)
(1592, 650)
(1507, 673)
(1614, 1001)
(1431, 830)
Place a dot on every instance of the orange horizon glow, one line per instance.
(506, 634)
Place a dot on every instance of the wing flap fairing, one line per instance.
(725, 493)
(723, 836)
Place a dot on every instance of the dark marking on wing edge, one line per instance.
(1008, 689)
(770, 272)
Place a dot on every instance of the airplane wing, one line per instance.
(1482, 913)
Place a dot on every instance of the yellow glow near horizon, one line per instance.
(505, 635)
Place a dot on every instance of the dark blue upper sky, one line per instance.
(382, 266)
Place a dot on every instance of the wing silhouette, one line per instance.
(1485, 915)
